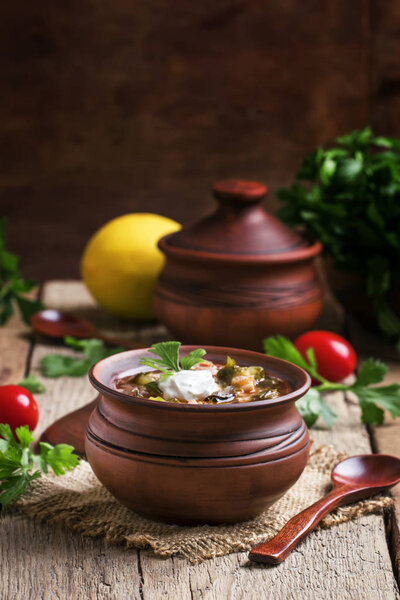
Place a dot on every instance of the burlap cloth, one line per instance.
(81, 503)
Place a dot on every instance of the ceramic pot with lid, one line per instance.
(238, 275)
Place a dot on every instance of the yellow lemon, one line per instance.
(121, 263)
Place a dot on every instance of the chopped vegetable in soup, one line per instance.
(193, 380)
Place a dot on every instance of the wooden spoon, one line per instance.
(58, 324)
(354, 478)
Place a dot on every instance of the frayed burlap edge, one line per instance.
(80, 502)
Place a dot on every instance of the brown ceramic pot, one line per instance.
(185, 463)
(238, 276)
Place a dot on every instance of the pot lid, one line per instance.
(239, 226)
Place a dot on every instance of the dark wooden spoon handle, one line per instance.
(279, 547)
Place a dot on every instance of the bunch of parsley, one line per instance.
(13, 287)
(373, 400)
(19, 466)
(348, 197)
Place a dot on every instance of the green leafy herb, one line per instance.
(57, 365)
(152, 386)
(32, 384)
(281, 347)
(311, 406)
(167, 354)
(373, 400)
(167, 360)
(12, 285)
(194, 357)
(348, 196)
(19, 466)
(227, 372)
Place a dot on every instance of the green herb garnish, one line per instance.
(348, 196)
(153, 388)
(373, 400)
(13, 286)
(193, 358)
(57, 365)
(227, 372)
(312, 405)
(32, 384)
(19, 466)
(167, 360)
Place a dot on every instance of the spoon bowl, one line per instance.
(59, 324)
(371, 470)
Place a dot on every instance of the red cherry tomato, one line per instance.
(18, 407)
(336, 358)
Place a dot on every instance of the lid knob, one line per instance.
(240, 191)
(239, 226)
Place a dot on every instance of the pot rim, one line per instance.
(304, 253)
(259, 358)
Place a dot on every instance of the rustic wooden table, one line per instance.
(355, 560)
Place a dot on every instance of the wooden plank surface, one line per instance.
(350, 561)
(385, 439)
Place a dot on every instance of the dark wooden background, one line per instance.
(114, 107)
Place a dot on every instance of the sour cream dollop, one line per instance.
(189, 385)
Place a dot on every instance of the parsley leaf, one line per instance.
(12, 285)
(280, 347)
(24, 435)
(194, 357)
(370, 412)
(32, 384)
(6, 433)
(168, 358)
(371, 371)
(19, 466)
(311, 406)
(27, 307)
(93, 350)
(59, 457)
(373, 400)
(168, 353)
